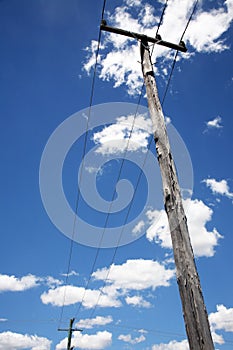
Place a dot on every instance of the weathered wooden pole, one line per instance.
(194, 311)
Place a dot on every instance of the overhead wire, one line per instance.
(114, 192)
(82, 165)
(176, 54)
(161, 19)
(141, 170)
(122, 230)
(111, 203)
(118, 178)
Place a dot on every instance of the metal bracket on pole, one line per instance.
(157, 40)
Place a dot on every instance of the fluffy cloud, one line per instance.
(137, 274)
(222, 319)
(128, 132)
(89, 323)
(128, 338)
(138, 228)
(100, 340)
(16, 341)
(71, 273)
(75, 294)
(137, 300)
(219, 187)
(215, 123)
(14, 284)
(120, 61)
(198, 214)
(173, 345)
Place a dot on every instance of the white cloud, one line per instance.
(89, 323)
(133, 2)
(50, 281)
(128, 338)
(116, 137)
(14, 284)
(16, 341)
(10, 283)
(3, 319)
(214, 24)
(94, 170)
(120, 61)
(75, 294)
(172, 345)
(222, 319)
(100, 340)
(92, 55)
(71, 273)
(137, 300)
(138, 228)
(198, 214)
(217, 339)
(168, 120)
(136, 274)
(215, 123)
(219, 187)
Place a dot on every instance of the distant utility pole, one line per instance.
(194, 311)
(70, 331)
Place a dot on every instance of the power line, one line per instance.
(118, 178)
(122, 230)
(82, 165)
(141, 171)
(161, 18)
(119, 174)
(176, 54)
(111, 203)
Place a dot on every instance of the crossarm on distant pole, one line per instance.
(157, 40)
(70, 330)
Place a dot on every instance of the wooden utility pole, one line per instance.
(70, 330)
(194, 311)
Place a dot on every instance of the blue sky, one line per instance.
(46, 71)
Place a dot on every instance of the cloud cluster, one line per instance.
(136, 274)
(198, 215)
(10, 283)
(172, 345)
(133, 275)
(89, 323)
(128, 132)
(119, 55)
(97, 341)
(16, 341)
(15, 284)
(220, 320)
(214, 123)
(137, 300)
(128, 338)
(219, 187)
(69, 295)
